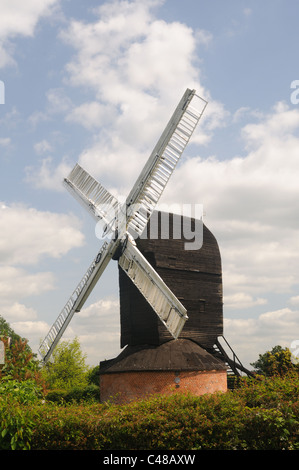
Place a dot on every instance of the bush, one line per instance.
(68, 427)
(16, 425)
(219, 421)
(89, 393)
(269, 429)
(269, 392)
(278, 361)
(56, 396)
(25, 392)
(261, 415)
(76, 394)
(67, 368)
(16, 421)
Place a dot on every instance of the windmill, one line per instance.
(124, 221)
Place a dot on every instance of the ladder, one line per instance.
(75, 302)
(162, 162)
(235, 367)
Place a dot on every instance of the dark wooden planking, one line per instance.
(194, 276)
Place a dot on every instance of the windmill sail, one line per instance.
(148, 188)
(94, 197)
(166, 305)
(77, 299)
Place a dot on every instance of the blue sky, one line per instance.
(96, 82)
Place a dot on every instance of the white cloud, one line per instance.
(5, 141)
(294, 300)
(247, 11)
(46, 176)
(34, 331)
(97, 328)
(19, 18)
(253, 336)
(17, 283)
(92, 115)
(251, 205)
(58, 101)
(28, 235)
(42, 146)
(138, 68)
(242, 300)
(18, 312)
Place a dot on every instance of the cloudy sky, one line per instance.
(96, 82)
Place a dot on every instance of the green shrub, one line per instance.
(76, 394)
(16, 420)
(68, 427)
(218, 421)
(269, 429)
(16, 425)
(56, 396)
(174, 423)
(24, 392)
(261, 415)
(89, 393)
(269, 392)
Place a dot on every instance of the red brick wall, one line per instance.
(126, 386)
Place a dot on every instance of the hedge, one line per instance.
(76, 394)
(261, 415)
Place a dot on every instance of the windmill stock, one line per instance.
(124, 221)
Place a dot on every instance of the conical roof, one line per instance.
(174, 355)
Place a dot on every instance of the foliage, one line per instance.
(25, 392)
(93, 375)
(6, 330)
(68, 427)
(276, 361)
(90, 393)
(68, 368)
(262, 414)
(20, 362)
(16, 421)
(269, 392)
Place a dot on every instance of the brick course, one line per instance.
(124, 387)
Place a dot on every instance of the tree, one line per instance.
(7, 331)
(68, 368)
(93, 376)
(276, 361)
(20, 362)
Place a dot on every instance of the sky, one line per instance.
(95, 82)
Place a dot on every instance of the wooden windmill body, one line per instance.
(152, 361)
(194, 276)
